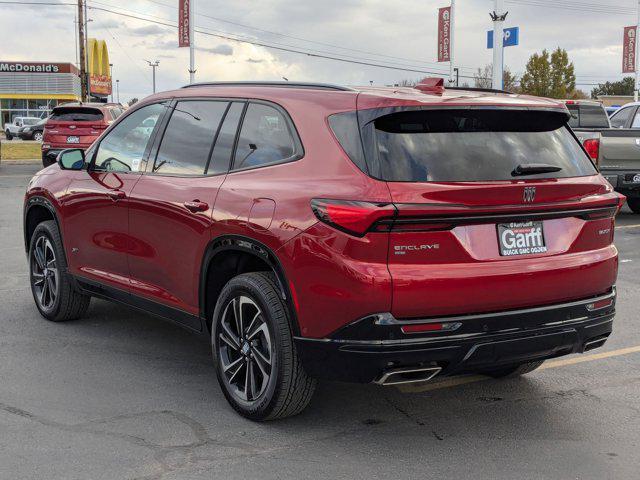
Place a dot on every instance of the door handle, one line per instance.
(116, 194)
(196, 206)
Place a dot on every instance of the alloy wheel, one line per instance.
(245, 349)
(44, 273)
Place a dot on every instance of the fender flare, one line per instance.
(39, 200)
(253, 247)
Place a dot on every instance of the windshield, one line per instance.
(76, 114)
(30, 121)
(470, 145)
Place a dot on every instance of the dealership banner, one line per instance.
(629, 50)
(444, 34)
(184, 39)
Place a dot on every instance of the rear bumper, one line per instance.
(363, 351)
(623, 181)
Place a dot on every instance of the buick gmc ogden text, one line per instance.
(313, 231)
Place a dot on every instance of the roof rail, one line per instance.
(476, 89)
(314, 86)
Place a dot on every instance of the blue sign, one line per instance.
(511, 37)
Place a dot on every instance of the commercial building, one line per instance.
(32, 89)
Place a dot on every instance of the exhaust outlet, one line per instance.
(407, 375)
(595, 343)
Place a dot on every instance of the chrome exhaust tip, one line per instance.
(595, 343)
(400, 376)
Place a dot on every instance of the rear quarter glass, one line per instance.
(452, 145)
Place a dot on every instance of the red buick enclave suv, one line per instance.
(312, 231)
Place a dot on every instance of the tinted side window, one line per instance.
(122, 150)
(221, 157)
(619, 119)
(265, 138)
(188, 138)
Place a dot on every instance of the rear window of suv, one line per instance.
(76, 114)
(467, 145)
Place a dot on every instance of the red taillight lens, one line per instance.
(592, 146)
(430, 327)
(352, 217)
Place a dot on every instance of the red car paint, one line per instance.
(133, 231)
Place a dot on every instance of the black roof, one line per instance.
(279, 84)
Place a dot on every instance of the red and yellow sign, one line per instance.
(99, 70)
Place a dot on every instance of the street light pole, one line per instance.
(192, 46)
(452, 39)
(498, 17)
(118, 90)
(111, 78)
(636, 86)
(153, 65)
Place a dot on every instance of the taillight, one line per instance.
(352, 217)
(592, 146)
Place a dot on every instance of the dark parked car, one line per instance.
(33, 132)
(76, 125)
(309, 231)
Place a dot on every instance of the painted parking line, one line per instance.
(455, 381)
(628, 226)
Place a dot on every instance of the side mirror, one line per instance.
(71, 159)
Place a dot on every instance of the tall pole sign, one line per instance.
(185, 33)
(629, 50)
(445, 37)
(498, 17)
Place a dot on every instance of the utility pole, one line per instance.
(498, 16)
(452, 39)
(86, 49)
(118, 90)
(84, 86)
(154, 65)
(192, 46)
(635, 90)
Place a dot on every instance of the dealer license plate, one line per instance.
(73, 139)
(521, 238)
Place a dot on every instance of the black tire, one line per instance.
(8, 135)
(68, 303)
(634, 204)
(37, 136)
(514, 370)
(287, 389)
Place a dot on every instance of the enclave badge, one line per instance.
(529, 194)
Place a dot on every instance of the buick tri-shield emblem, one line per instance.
(529, 194)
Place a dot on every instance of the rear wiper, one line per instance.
(533, 168)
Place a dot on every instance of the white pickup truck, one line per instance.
(11, 129)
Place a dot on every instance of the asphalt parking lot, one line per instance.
(120, 394)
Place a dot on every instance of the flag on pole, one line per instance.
(444, 34)
(184, 37)
(629, 50)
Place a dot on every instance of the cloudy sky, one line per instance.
(394, 33)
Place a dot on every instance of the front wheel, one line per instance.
(52, 289)
(634, 204)
(37, 136)
(8, 135)
(257, 365)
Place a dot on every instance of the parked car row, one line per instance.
(13, 129)
(309, 231)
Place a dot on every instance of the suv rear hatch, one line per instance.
(496, 209)
(74, 126)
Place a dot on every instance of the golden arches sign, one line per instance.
(99, 70)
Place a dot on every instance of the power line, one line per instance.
(275, 47)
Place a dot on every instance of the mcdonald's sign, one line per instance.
(99, 71)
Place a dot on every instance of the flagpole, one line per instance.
(192, 41)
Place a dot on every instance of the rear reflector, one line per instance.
(431, 327)
(355, 218)
(600, 304)
(592, 146)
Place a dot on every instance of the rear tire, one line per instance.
(513, 370)
(37, 136)
(634, 204)
(8, 135)
(52, 288)
(256, 361)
